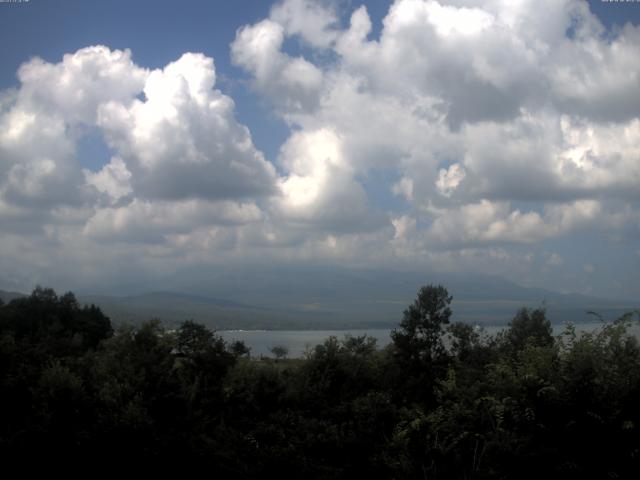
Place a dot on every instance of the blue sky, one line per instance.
(458, 136)
(157, 32)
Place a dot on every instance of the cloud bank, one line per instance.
(462, 135)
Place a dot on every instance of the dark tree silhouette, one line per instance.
(530, 327)
(419, 337)
(517, 405)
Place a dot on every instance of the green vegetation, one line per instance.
(441, 401)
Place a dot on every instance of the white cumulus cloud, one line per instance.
(182, 140)
(458, 134)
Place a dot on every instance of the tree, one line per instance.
(464, 339)
(279, 351)
(530, 327)
(419, 355)
(419, 337)
(203, 362)
(239, 349)
(194, 339)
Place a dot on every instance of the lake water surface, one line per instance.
(297, 341)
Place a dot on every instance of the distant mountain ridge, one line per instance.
(329, 298)
(174, 296)
(6, 297)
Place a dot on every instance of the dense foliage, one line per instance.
(442, 401)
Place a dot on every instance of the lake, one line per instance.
(297, 341)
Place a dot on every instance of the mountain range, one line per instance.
(331, 298)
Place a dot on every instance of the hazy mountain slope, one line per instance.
(173, 308)
(322, 297)
(327, 297)
(8, 296)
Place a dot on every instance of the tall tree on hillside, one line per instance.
(529, 327)
(419, 353)
(419, 337)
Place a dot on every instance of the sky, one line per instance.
(152, 139)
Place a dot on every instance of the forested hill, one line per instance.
(440, 402)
